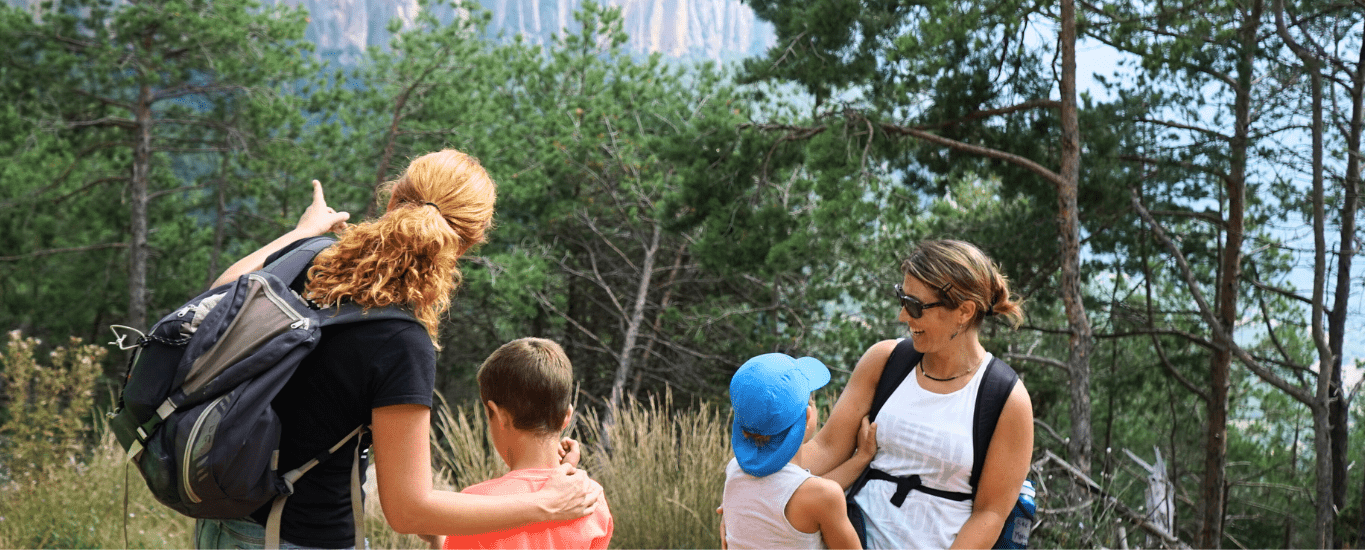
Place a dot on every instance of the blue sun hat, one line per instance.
(769, 394)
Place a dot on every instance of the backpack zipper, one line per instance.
(189, 449)
(299, 320)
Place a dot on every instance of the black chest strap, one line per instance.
(905, 484)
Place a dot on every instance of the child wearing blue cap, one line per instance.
(770, 500)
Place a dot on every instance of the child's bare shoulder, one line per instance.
(818, 490)
(815, 498)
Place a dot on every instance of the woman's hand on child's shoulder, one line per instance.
(568, 494)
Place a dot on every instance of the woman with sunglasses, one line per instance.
(925, 427)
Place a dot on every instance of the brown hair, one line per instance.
(532, 380)
(960, 272)
(440, 208)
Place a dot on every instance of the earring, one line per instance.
(955, 332)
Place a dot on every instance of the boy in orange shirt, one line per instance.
(526, 386)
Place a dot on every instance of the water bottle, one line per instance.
(1020, 521)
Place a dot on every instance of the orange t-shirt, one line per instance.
(592, 531)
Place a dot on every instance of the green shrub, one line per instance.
(65, 475)
(48, 407)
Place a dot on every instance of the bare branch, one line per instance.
(177, 190)
(1138, 519)
(52, 251)
(1159, 331)
(89, 185)
(1049, 430)
(1045, 361)
(1171, 370)
(104, 100)
(1209, 217)
(181, 91)
(547, 304)
(66, 172)
(987, 113)
(106, 121)
(1179, 126)
(1280, 291)
(1181, 263)
(1052, 177)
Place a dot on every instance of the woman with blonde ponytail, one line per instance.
(924, 429)
(381, 373)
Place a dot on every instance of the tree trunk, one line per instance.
(633, 323)
(400, 104)
(219, 221)
(1212, 490)
(1080, 339)
(659, 317)
(1336, 319)
(381, 171)
(1328, 407)
(138, 202)
(1322, 423)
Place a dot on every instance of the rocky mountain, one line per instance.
(719, 30)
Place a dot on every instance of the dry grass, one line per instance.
(665, 475)
(663, 484)
(82, 506)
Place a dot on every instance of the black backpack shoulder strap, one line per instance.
(351, 313)
(899, 365)
(995, 389)
(290, 265)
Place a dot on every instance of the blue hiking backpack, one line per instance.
(195, 415)
(996, 384)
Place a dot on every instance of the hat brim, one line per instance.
(760, 461)
(816, 372)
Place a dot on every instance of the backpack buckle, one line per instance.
(119, 338)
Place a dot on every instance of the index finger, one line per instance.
(317, 193)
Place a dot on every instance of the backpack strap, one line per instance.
(272, 523)
(351, 313)
(898, 366)
(292, 264)
(996, 385)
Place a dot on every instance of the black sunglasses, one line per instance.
(912, 305)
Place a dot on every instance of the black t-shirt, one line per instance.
(355, 368)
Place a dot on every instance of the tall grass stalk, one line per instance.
(81, 505)
(664, 476)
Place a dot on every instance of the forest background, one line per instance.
(666, 219)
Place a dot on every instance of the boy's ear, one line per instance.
(568, 419)
(495, 413)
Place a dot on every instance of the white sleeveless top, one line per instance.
(929, 434)
(755, 509)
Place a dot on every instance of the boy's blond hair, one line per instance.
(531, 379)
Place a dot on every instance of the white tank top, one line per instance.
(923, 433)
(755, 509)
